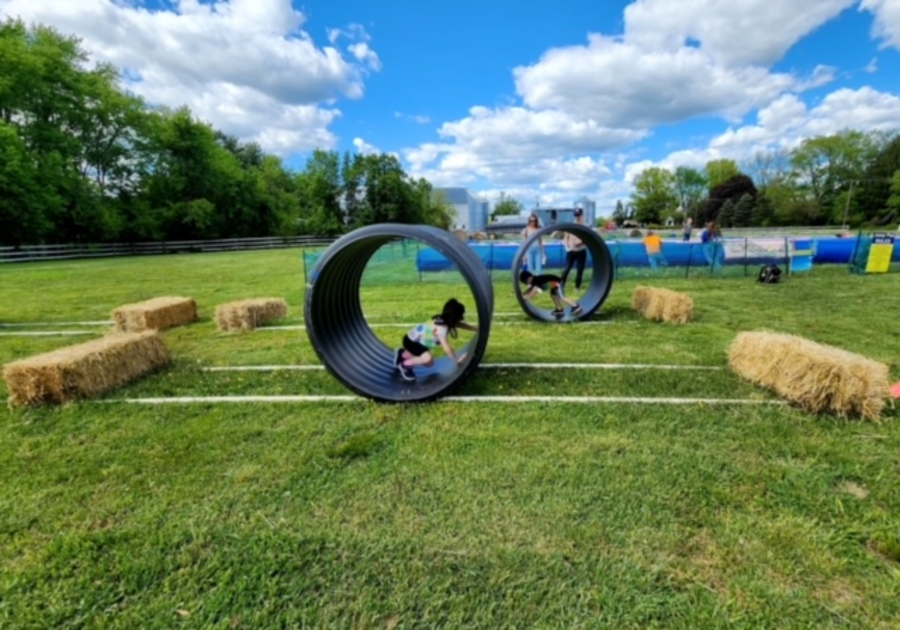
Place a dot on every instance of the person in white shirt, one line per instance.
(576, 253)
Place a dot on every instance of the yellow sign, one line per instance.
(880, 253)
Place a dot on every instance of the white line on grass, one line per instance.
(182, 400)
(488, 366)
(46, 333)
(494, 323)
(30, 324)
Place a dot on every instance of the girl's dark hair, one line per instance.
(454, 312)
(525, 276)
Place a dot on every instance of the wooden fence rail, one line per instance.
(31, 253)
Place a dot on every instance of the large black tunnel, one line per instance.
(351, 351)
(601, 262)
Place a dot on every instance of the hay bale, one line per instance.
(663, 305)
(84, 370)
(461, 235)
(156, 314)
(248, 314)
(815, 376)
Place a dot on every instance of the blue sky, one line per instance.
(543, 101)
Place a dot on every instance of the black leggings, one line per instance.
(578, 258)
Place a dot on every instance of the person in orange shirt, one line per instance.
(653, 243)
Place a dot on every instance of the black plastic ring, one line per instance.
(343, 340)
(601, 279)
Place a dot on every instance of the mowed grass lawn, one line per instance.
(456, 515)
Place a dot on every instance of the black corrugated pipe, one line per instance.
(601, 280)
(346, 345)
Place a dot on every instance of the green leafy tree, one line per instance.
(743, 211)
(190, 167)
(320, 191)
(720, 171)
(726, 214)
(619, 214)
(507, 206)
(874, 189)
(654, 194)
(73, 123)
(25, 203)
(730, 190)
(690, 186)
(894, 200)
(825, 166)
(439, 212)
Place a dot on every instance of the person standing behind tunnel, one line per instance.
(535, 256)
(576, 253)
(712, 249)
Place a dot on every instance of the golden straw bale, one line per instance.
(156, 314)
(461, 235)
(815, 376)
(84, 370)
(663, 305)
(248, 314)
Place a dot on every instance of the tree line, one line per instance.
(849, 177)
(83, 160)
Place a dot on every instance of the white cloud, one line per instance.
(872, 66)
(733, 33)
(887, 20)
(515, 146)
(622, 84)
(363, 53)
(786, 123)
(364, 147)
(247, 66)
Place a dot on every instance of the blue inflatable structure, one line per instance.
(500, 254)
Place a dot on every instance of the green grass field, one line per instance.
(452, 515)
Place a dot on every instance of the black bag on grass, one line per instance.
(769, 274)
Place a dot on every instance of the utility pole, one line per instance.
(844, 226)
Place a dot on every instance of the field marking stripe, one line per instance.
(108, 322)
(461, 399)
(489, 366)
(47, 333)
(494, 323)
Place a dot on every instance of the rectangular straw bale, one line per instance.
(156, 314)
(86, 369)
(248, 314)
(663, 305)
(815, 376)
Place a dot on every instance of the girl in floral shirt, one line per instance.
(419, 342)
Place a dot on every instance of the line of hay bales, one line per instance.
(132, 349)
(816, 377)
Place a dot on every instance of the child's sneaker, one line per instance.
(398, 358)
(576, 310)
(558, 312)
(407, 373)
